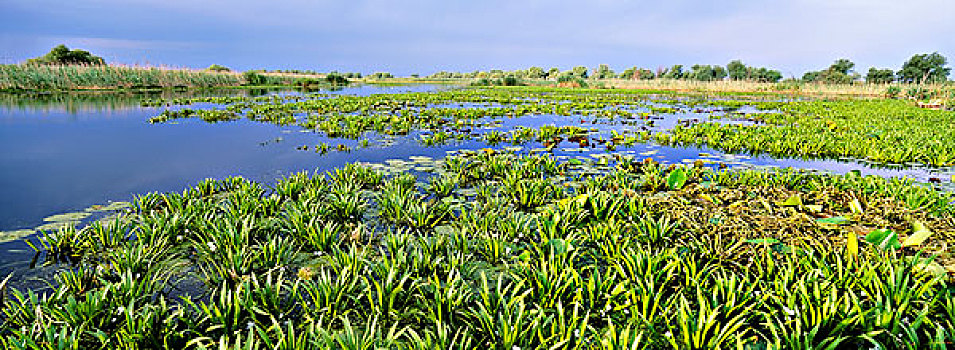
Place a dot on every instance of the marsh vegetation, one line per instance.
(542, 220)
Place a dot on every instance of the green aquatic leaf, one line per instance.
(919, 234)
(7, 236)
(835, 220)
(66, 217)
(676, 179)
(793, 201)
(884, 239)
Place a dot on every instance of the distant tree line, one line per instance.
(920, 68)
(735, 70)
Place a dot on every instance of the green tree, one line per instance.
(603, 71)
(843, 66)
(218, 68)
(61, 55)
(737, 70)
(628, 73)
(535, 73)
(925, 68)
(675, 72)
(553, 73)
(578, 72)
(879, 76)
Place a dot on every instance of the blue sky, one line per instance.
(426, 36)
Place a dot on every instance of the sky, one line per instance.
(426, 36)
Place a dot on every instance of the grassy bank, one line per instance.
(40, 77)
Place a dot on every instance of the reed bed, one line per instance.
(47, 77)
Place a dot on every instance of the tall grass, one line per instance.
(37, 77)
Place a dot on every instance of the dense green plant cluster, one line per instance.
(218, 68)
(498, 251)
(63, 56)
(43, 77)
(884, 131)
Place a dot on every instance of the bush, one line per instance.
(61, 55)
(253, 78)
(893, 91)
(336, 80)
(218, 68)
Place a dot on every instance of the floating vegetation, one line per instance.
(882, 131)
(499, 250)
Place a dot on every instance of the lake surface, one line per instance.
(64, 153)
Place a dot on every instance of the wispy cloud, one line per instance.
(427, 35)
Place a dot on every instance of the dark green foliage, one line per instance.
(253, 78)
(736, 70)
(336, 80)
(218, 68)
(925, 68)
(381, 75)
(675, 72)
(578, 72)
(840, 72)
(880, 76)
(61, 55)
(603, 71)
(706, 73)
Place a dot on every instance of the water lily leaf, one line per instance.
(6, 236)
(792, 201)
(762, 241)
(884, 239)
(677, 179)
(852, 244)
(835, 220)
(67, 217)
(919, 234)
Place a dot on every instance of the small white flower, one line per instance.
(668, 334)
(211, 245)
(249, 325)
(516, 347)
(120, 310)
(179, 237)
(577, 333)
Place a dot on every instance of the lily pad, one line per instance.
(792, 201)
(7, 236)
(835, 220)
(676, 179)
(884, 239)
(67, 217)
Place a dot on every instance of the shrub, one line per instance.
(61, 55)
(253, 78)
(218, 68)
